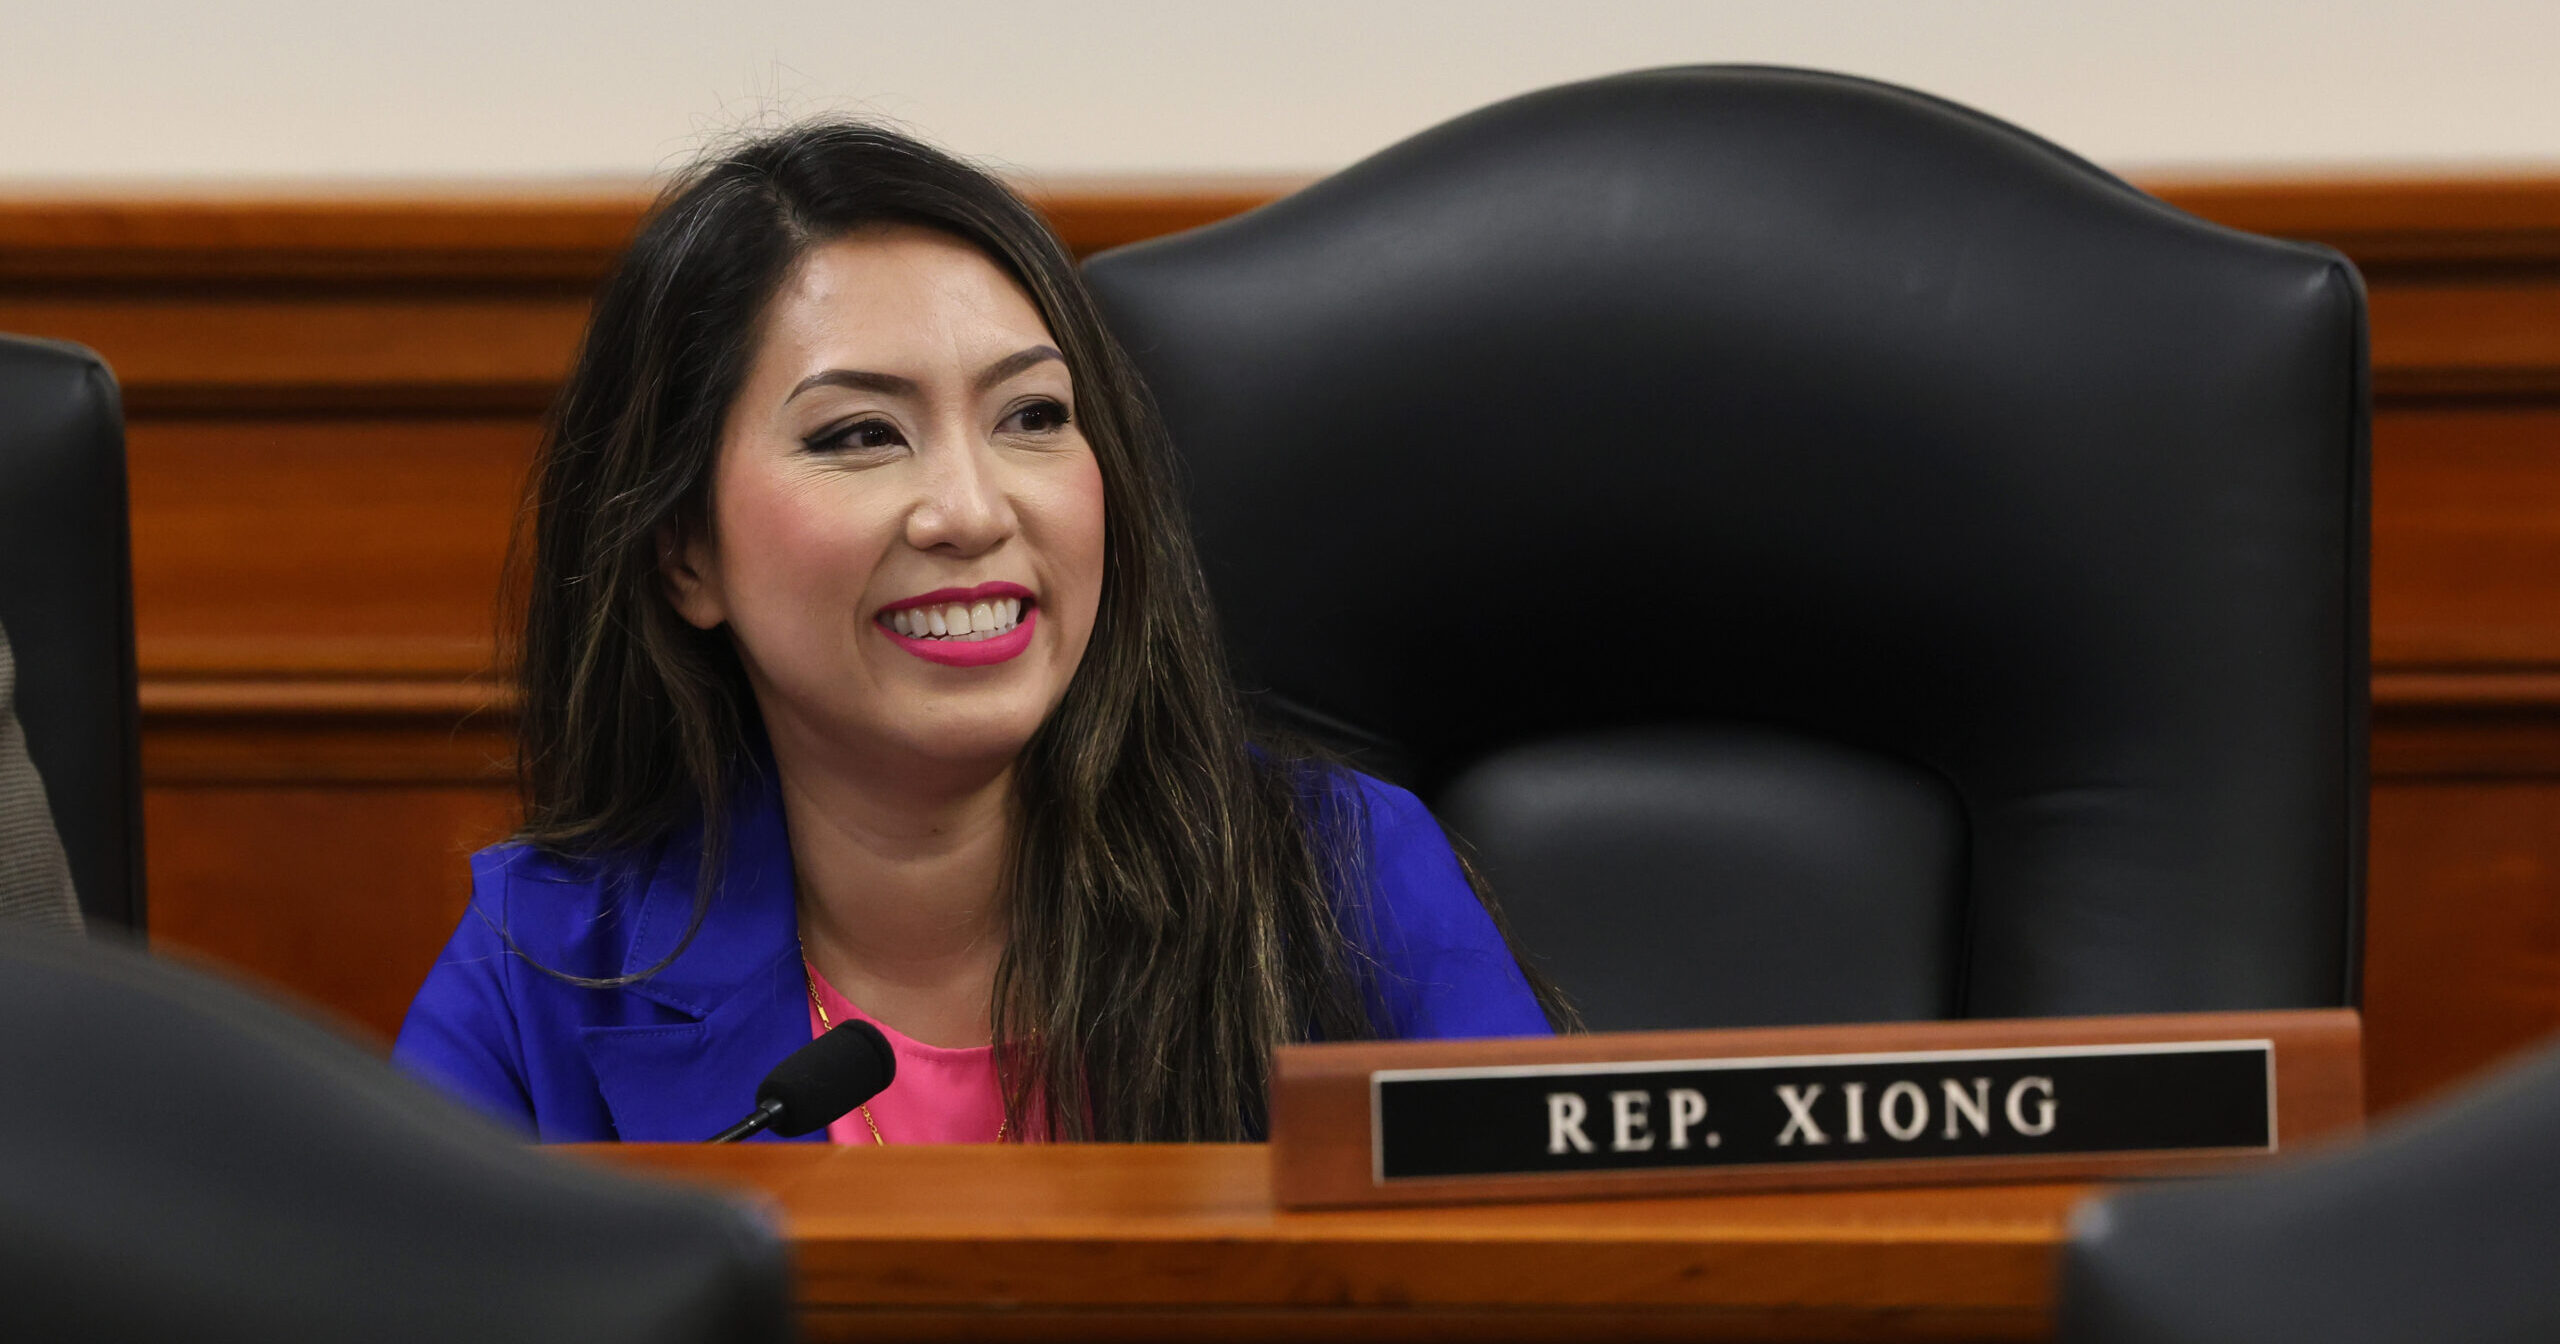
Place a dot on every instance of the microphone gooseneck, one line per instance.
(763, 1115)
(816, 1084)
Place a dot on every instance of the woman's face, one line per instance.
(906, 523)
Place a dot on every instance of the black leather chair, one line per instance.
(2446, 1227)
(1834, 555)
(66, 601)
(181, 1161)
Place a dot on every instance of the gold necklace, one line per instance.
(809, 976)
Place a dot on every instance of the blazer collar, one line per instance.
(739, 980)
(753, 916)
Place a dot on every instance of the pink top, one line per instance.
(942, 1094)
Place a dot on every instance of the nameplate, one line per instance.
(1890, 1104)
(2205, 1096)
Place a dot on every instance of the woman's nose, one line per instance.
(964, 508)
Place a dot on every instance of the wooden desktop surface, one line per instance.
(1147, 1242)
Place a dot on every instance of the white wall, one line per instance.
(492, 88)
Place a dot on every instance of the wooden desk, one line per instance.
(1165, 1243)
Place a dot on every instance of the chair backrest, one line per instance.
(1834, 555)
(2445, 1227)
(179, 1160)
(66, 601)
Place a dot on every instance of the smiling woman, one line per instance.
(868, 672)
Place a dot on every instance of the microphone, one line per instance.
(819, 1082)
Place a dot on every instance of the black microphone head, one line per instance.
(829, 1076)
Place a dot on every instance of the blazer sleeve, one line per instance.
(1443, 969)
(35, 877)
(462, 1033)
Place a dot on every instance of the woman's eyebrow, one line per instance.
(860, 380)
(1016, 362)
(892, 385)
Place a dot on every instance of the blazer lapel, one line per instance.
(684, 1082)
(736, 988)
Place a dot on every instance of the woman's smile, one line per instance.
(964, 627)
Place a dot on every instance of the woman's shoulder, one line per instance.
(1415, 892)
(521, 877)
(575, 913)
(519, 863)
(1412, 877)
(1340, 796)
(1444, 967)
(1393, 832)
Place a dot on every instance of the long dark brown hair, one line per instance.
(1179, 901)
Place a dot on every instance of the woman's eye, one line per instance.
(856, 437)
(1040, 417)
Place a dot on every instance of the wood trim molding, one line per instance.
(567, 233)
(173, 700)
(297, 730)
(559, 236)
(519, 236)
(2520, 692)
(2427, 725)
(2448, 724)
(2390, 222)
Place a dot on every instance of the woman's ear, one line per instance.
(690, 570)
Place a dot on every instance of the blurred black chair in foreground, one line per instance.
(2443, 1227)
(66, 604)
(181, 1161)
(1834, 555)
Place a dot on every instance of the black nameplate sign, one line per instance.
(1552, 1119)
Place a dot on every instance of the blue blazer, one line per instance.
(676, 1057)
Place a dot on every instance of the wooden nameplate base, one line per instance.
(1663, 1112)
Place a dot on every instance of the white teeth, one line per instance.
(970, 621)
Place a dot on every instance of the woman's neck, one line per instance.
(899, 881)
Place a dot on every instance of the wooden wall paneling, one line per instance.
(2484, 333)
(322, 545)
(2466, 533)
(338, 893)
(312, 834)
(2463, 883)
(333, 398)
(2463, 929)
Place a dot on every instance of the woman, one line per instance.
(868, 671)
